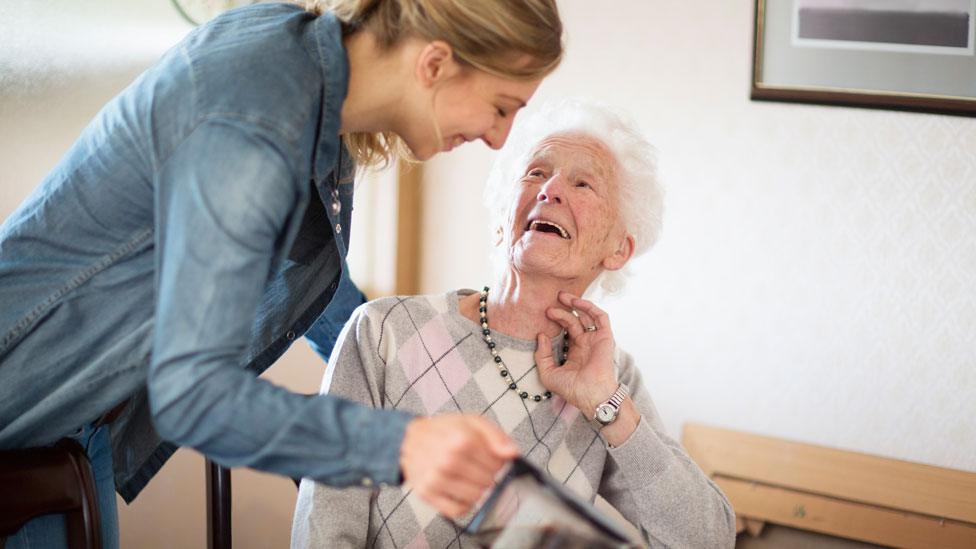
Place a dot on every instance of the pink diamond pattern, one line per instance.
(435, 375)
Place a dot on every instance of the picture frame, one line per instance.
(914, 55)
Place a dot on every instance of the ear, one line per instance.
(436, 63)
(624, 251)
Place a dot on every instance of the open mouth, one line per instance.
(544, 226)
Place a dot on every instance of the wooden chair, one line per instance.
(843, 494)
(57, 479)
(219, 507)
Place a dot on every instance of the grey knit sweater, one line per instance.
(420, 354)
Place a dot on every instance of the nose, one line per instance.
(496, 136)
(551, 190)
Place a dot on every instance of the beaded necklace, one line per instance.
(502, 369)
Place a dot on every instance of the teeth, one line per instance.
(562, 231)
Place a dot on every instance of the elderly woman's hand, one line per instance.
(587, 379)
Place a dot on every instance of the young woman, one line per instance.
(199, 225)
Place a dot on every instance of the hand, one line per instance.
(587, 378)
(450, 460)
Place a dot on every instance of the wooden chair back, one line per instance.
(843, 494)
(57, 479)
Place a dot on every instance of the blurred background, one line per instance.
(815, 279)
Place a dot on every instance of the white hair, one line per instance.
(640, 196)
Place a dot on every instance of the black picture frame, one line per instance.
(905, 76)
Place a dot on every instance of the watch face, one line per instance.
(605, 413)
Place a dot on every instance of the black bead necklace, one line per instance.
(502, 369)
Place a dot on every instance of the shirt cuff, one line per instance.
(377, 440)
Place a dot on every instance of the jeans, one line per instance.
(49, 531)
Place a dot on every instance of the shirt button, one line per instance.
(367, 482)
(338, 228)
(333, 286)
(290, 335)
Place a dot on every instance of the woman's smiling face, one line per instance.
(566, 221)
(470, 106)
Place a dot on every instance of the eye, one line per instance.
(536, 172)
(502, 113)
(583, 184)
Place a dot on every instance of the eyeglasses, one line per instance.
(530, 509)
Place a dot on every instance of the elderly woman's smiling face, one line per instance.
(566, 222)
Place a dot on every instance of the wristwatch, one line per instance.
(607, 412)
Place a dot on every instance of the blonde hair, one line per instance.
(514, 39)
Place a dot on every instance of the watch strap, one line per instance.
(618, 396)
(615, 400)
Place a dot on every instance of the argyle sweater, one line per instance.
(421, 355)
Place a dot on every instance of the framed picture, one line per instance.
(899, 54)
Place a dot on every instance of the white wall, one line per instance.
(817, 276)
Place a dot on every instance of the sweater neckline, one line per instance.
(501, 338)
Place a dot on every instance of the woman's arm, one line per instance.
(223, 200)
(653, 482)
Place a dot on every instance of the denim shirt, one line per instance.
(177, 250)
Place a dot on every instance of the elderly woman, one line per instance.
(574, 197)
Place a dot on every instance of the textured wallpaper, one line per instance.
(816, 280)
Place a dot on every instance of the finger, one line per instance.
(499, 443)
(585, 320)
(567, 298)
(452, 496)
(583, 315)
(480, 448)
(473, 457)
(462, 491)
(600, 318)
(473, 469)
(543, 355)
(446, 505)
(564, 318)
